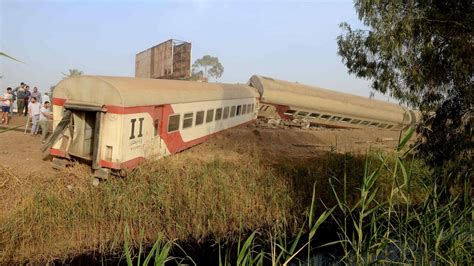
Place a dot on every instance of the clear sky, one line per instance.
(290, 40)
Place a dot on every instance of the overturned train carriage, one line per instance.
(117, 122)
(289, 101)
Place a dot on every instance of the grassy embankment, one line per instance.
(193, 198)
(414, 222)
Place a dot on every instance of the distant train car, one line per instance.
(289, 101)
(117, 122)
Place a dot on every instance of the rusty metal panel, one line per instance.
(162, 65)
(182, 60)
(170, 60)
(143, 64)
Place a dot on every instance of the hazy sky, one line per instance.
(290, 40)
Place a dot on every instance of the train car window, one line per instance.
(290, 112)
(239, 110)
(226, 112)
(301, 113)
(325, 117)
(253, 106)
(199, 118)
(314, 115)
(173, 123)
(389, 126)
(355, 121)
(346, 119)
(336, 118)
(249, 108)
(382, 125)
(218, 114)
(244, 109)
(209, 115)
(364, 123)
(188, 120)
(373, 124)
(232, 111)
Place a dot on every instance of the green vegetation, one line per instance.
(421, 52)
(255, 211)
(392, 229)
(208, 66)
(72, 73)
(2, 54)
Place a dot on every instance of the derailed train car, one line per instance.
(293, 101)
(117, 122)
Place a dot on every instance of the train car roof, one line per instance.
(313, 98)
(128, 91)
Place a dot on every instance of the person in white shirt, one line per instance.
(34, 113)
(44, 120)
(6, 104)
(45, 97)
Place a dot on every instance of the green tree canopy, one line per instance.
(421, 52)
(72, 73)
(209, 65)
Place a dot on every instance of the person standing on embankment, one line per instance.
(34, 113)
(6, 103)
(44, 120)
(20, 98)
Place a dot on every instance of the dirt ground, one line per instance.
(20, 153)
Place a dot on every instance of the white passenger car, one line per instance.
(117, 122)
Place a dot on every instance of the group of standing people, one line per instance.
(29, 103)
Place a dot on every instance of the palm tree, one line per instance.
(7, 56)
(72, 73)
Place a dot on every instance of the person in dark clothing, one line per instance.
(21, 102)
(27, 100)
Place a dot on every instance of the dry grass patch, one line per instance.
(183, 197)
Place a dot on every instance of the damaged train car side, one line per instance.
(117, 122)
(283, 100)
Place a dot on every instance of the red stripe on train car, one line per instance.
(281, 110)
(130, 164)
(121, 110)
(58, 101)
(57, 152)
(174, 141)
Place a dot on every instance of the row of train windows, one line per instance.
(210, 115)
(338, 119)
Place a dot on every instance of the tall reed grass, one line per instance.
(382, 208)
(396, 228)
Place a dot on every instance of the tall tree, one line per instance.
(210, 66)
(421, 52)
(72, 73)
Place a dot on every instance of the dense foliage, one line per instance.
(421, 52)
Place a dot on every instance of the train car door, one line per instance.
(158, 147)
(85, 128)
